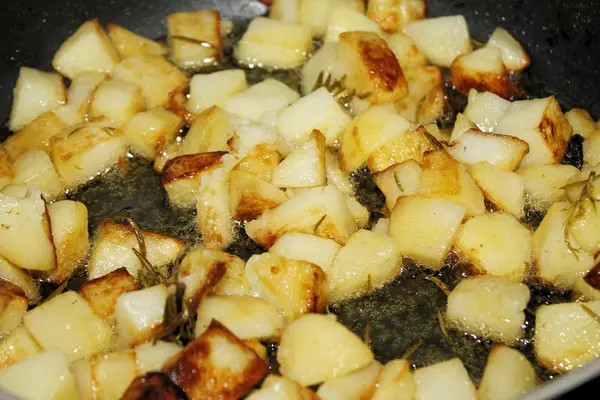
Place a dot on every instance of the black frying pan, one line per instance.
(562, 38)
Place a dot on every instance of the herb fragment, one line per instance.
(439, 284)
(579, 209)
(412, 349)
(442, 322)
(367, 333)
(591, 313)
(337, 87)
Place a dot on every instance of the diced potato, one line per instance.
(285, 10)
(253, 138)
(504, 189)
(267, 96)
(432, 106)
(154, 75)
(185, 29)
(322, 61)
(36, 168)
(544, 182)
(245, 316)
(345, 19)
(43, 377)
(448, 380)
(382, 226)
(13, 305)
(335, 175)
(250, 196)
(359, 384)
(482, 241)
(199, 272)
(367, 260)
(485, 110)
(35, 93)
(462, 125)
(507, 375)
(88, 49)
(109, 374)
(424, 228)
(542, 125)
(574, 187)
(25, 236)
(102, 293)
(303, 167)
(567, 336)
(130, 44)
(402, 147)
(441, 39)
(276, 387)
(443, 177)
(149, 133)
(369, 132)
(36, 135)
(514, 55)
(317, 348)
(584, 232)
(582, 122)
(79, 154)
(392, 15)
(294, 287)
(151, 357)
(406, 51)
(502, 151)
(370, 67)
(18, 277)
(139, 314)
(112, 249)
(293, 246)
(555, 263)
(490, 307)
(207, 90)
(225, 367)
(319, 211)
(360, 213)
(18, 346)
(316, 13)
(68, 323)
(82, 88)
(481, 70)
(116, 101)
(591, 150)
(396, 382)
(261, 162)
(588, 287)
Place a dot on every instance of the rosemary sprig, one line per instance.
(442, 322)
(367, 333)
(337, 87)
(412, 349)
(578, 210)
(439, 284)
(148, 275)
(318, 224)
(202, 43)
(591, 313)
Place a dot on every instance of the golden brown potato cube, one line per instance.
(36, 168)
(17, 276)
(316, 13)
(13, 305)
(481, 70)
(406, 51)
(81, 90)
(295, 287)
(432, 106)
(81, 153)
(250, 196)
(154, 385)
(370, 66)
(399, 180)
(17, 347)
(186, 29)
(130, 44)
(582, 122)
(156, 76)
(216, 365)
(149, 133)
(305, 166)
(200, 273)
(504, 190)
(514, 55)
(261, 162)
(345, 19)
(6, 168)
(422, 80)
(102, 293)
(35, 135)
(116, 101)
(392, 15)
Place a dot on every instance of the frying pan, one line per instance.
(560, 36)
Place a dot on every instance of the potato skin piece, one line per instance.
(154, 386)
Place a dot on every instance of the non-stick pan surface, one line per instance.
(561, 38)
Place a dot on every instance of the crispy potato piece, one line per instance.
(36, 168)
(36, 135)
(184, 28)
(316, 13)
(294, 245)
(345, 19)
(399, 180)
(485, 110)
(514, 55)
(200, 274)
(19, 277)
(102, 293)
(447, 380)
(18, 346)
(505, 190)
(130, 44)
(406, 51)
(359, 384)
(303, 167)
(154, 386)
(582, 122)
(507, 375)
(116, 102)
(261, 162)
(250, 196)
(149, 133)
(13, 305)
(151, 357)
(392, 15)
(82, 88)
(481, 70)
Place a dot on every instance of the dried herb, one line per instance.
(202, 43)
(439, 284)
(591, 313)
(59, 290)
(178, 323)
(337, 87)
(367, 333)
(442, 322)
(148, 275)
(412, 349)
(318, 224)
(398, 183)
(579, 209)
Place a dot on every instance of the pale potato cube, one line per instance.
(462, 125)
(36, 168)
(392, 15)
(422, 80)
(482, 241)
(490, 307)
(424, 228)
(432, 106)
(267, 96)
(382, 226)
(591, 149)
(18, 346)
(112, 374)
(102, 293)
(367, 134)
(396, 382)
(574, 187)
(230, 369)
(251, 138)
(139, 314)
(35, 93)
(112, 249)
(25, 235)
(406, 51)
(260, 162)
(322, 61)
(295, 245)
(43, 377)
(502, 151)
(441, 39)
(303, 167)
(285, 10)
(588, 287)
(116, 101)
(544, 183)
(507, 375)
(88, 49)
(367, 260)
(149, 133)
(318, 110)
(68, 323)
(245, 316)
(82, 88)
(317, 348)
(485, 109)
(276, 387)
(295, 287)
(514, 55)
(316, 13)
(448, 380)
(357, 385)
(151, 357)
(345, 19)
(80, 154)
(556, 265)
(370, 67)
(184, 28)
(157, 78)
(335, 175)
(13, 305)
(130, 44)
(582, 122)
(504, 189)
(19, 277)
(566, 335)
(482, 70)
(584, 232)
(36, 135)
(542, 125)
(319, 211)
(207, 90)
(250, 196)
(360, 213)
